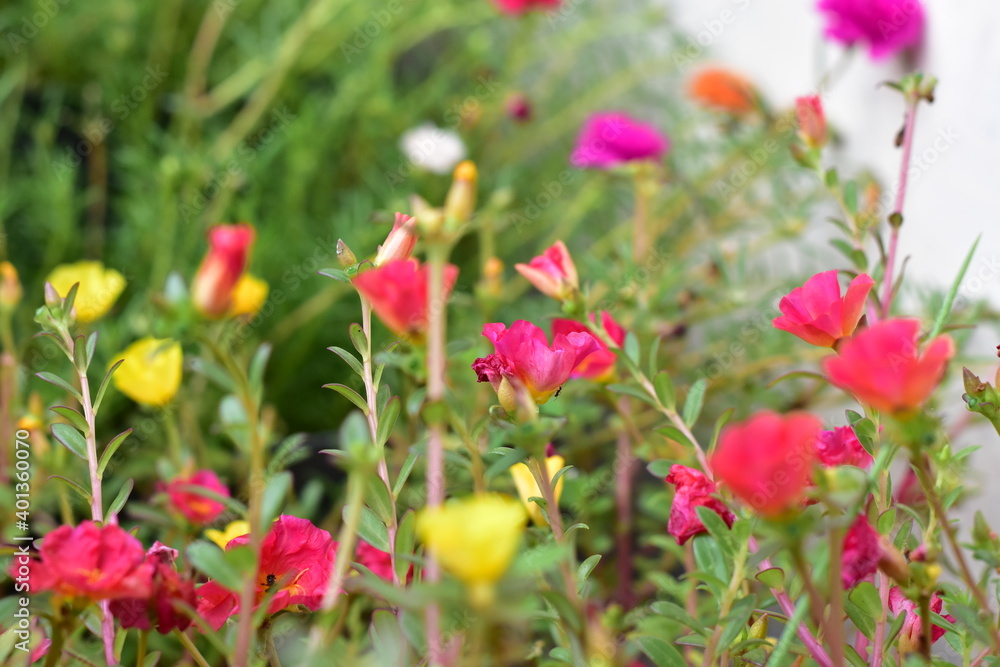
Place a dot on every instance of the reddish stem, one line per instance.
(904, 172)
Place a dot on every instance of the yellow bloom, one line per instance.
(528, 488)
(99, 287)
(10, 286)
(474, 539)
(234, 529)
(248, 296)
(151, 373)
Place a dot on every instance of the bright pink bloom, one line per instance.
(910, 635)
(767, 460)
(817, 314)
(296, 556)
(525, 360)
(165, 609)
(694, 489)
(812, 120)
(841, 447)
(883, 368)
(552, 272)
(199, 510)
(862, 553)
(909, 491)
(398, 293)
(376, 560)
(223, 266)
(598, 365)
(400, 241)
(90, 561)
(522, 6)
(886, 26)
(611, 139)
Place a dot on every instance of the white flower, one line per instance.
(433, 148)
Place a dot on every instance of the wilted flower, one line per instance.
(249, 296)
(553, 273)
(97, 562)
(886, 26)
(475, 539)
(398, 293)
(165, 609)
(522, 6)
(884, 369)
(817, 313)
(233, 529)
(722, 90)
(598, 365)
(767, 460)
(432, 148)
(295, 556)
(196, 508)
(399, 243)
(527, 487)
(911, 633)
(841, 447)
(151, 373)
(610, 139)
(98, 291)
(223, 266)
(694, 489)
(812, 120)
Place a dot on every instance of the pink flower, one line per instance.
(165, 609)
(694, 489)
(296, 556)
(522, 6)
(223, 266)
(911, 633)
(862, 553)
(883, 368)
(611, 139)
(598, 365)
(812, 120)
(400, 241)
(524, 361)
(90, 561)
(841, 447)
(909, 492)
(767, 460)
(553, 273)
(817, 314)
(198, 509)
(398, 294)
(376, 560)
(886, 26)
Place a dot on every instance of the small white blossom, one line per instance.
(433, 148)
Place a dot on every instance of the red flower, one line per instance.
(296, 556)
(812, 120)
(522, 6)
(862, 553)
(376, 560)
(197, 509)
(841, 447)
(883, 368)
(767, 459)
(694, 489)
(400, 241)
(398, 293)
(93, 562)
(911, 633)
(163, 610)
(611, 139)
(817, 314)
(722, 90)
(525, 360)
(598, 365)
(222, 268)
(552, 272)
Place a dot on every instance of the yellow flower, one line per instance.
(528, 488)
(99, 287)
(10, 286)
(248, 296)
(474, 539)
(151, 373)
(234, 529)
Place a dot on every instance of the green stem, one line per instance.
(735, 583)
(835, 621)
(192, 649)
(140, 652)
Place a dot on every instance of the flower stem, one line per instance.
(624, 475)
(347, 539)
(140, 653)
(904, 170)
(735, 583)
(834, 629)
(192, 649)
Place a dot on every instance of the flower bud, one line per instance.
(461, 200)
(10, 286)
(345, 257)
(222, 268)
(400, 241)
(892, 562)
(812, 120)
(553, 273)
(759, 628)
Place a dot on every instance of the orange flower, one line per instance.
(722, 90)
(222, 268)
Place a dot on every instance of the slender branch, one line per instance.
(904, 169)
(725, 606)
(835, 621)
(192, 649)
(624, 475)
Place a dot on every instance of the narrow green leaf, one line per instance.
(211, 560)
(404, 473)
(387, 420)
(80, 353)
(71, 438)
(566, 610)
(349, 394)
(720, 423)
(586, 567)
(709, 557)
(659, 468)
(788, 636)
(104, 384)
(654, 353)
(110, 450)
(351, 360)
(91, 346)
(52, 378)
(337, 274)
(949, 300)
(633, 392)
(214, 372)
(359, 339)
(74, 417)
(665, 390)
(851, 196)
(274, 497)
(694, 401)
(372, 530)
(74, 486)
(70, 299)
(119, 502)
(405, 539)
(660, 652)
(718, 529)
(736, 620)
(255, 372)
(632, 347)
(852, 657)
(674, 434)
(377, 498)
(773, 577)
(506, 460)
(677, 613)
(866, 597)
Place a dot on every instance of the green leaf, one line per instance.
(654, 352)
(404, 473)
(110, 450)
(862, 621)
(104, 384)
(720, 423)
(349, 394)
(119, 502)
(660, 652)
(91, 346)
(830, 178)
(255, 373)
(949, 300)
(351, 360)
(852, 657)
(71, 438)
(52, 378)
(387, 420)
(566, 610)
(886, 521)
(209, 559)
(504, 463)
(80, 353)
(674, 434)
(694, 401)
(405, 539)
(788, 636)
(74, 417)
(70, 299)
(377, 498)
(718, 529)
(659, 468)
(632, 347)
(634, 392)
(586, 567)
(736, 620)
(359, 339)
(336, 274)
(372, 530)
(866, 597)
(709, 557)
(893, 631)
(665, 390)
(851, 196)
(677, 613)
(74, 486)
(274, 497)
(773, 577)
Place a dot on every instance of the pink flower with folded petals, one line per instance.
(694, 490)
(862, 553)
(525, 361)
(884, 369)
(196, 508)
(521, 6)
(911, 633)
(552, 272)
(812, 120)
(397, 291)
(885, 26)
(610, 139)
(841, 447)
(598, 365)
(817, 313)
(400, 241)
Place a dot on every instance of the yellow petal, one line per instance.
(528, 488)
(151, 372)
(234, 529)
(98, 291)
(249, 296)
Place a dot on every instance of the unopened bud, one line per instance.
(892, 562)
(10, 286)
(430, 220)
(52, 298)
(759, 628)
(345, 257)
(461, 200)
(812, 120)
(400, 241)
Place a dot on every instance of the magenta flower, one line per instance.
(841, 447)
(611, 139)
(862, 553)
(694, 490)
(909, 636)
(599, 365)
(553, 272)
(817, 313)
(885, 26)
(522, 6)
